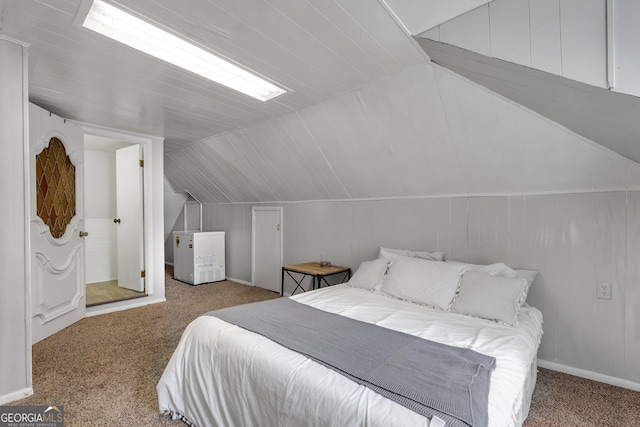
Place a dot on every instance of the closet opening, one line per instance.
(114, 219)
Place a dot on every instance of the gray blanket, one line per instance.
(424, 376)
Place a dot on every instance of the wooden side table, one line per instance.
(316, 271)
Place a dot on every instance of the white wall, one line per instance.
(155, 230)
(626, 36)
(100, 184)
(100, 208)
(173, 209)
(15, 333)
(573, 240)
(563, 37)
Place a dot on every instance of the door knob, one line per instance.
(117, 220)
(84, 233)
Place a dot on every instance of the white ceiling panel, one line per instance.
(271, 161)
(602, 116)
(183, 175)
(419, 16)
(365, 115)
(422, 132)
(387, 139)
(511, 148)
(317, 49)
(567, 37)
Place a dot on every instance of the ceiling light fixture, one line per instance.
(125, 28)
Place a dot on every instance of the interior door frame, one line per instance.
(253, 236)
(145, 143)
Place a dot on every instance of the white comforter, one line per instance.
(223, 375)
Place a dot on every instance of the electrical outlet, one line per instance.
(603, 290)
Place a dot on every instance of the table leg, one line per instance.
(298, 282)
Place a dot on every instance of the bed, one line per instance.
(224, 375)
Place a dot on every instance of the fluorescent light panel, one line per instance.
(119, 25)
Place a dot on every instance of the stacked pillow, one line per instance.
(369, 274)
(500, 269)
(493, 292)
(489, 297)
(396, 254)
(424, 282)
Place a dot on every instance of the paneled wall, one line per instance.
(573, 240)
(173, 209)
(101, 248)
(15, 334)
(563, 37)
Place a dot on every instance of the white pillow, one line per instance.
(425, 282)
(500, 269)
(489, 297)
(497, 269)
(394, 254)
(529, 276)
(369, 274)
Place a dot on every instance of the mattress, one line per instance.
(221, 374)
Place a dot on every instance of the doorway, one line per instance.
(267, 247)
(114, 247)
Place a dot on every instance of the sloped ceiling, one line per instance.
(425, 131)
(317, 49)
(366, 116)
(609, 118)
(418, 16)
(575, 64)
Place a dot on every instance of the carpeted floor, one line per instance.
(104, 369)
(561, 400)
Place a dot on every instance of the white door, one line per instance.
(267, 248)
(130, 217)
(56, 151)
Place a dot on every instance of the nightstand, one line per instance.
(317, 272)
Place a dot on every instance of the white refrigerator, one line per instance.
(198, 256)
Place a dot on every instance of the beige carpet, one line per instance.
(104, 369)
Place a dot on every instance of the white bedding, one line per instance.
(223, 375)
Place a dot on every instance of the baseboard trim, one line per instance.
(16, 395)
(242, 282)
(590, 375)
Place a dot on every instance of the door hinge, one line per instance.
(142, 273)
(141, 163)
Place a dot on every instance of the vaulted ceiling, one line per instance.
(604, 116)
(574, 62)
(366, 113)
